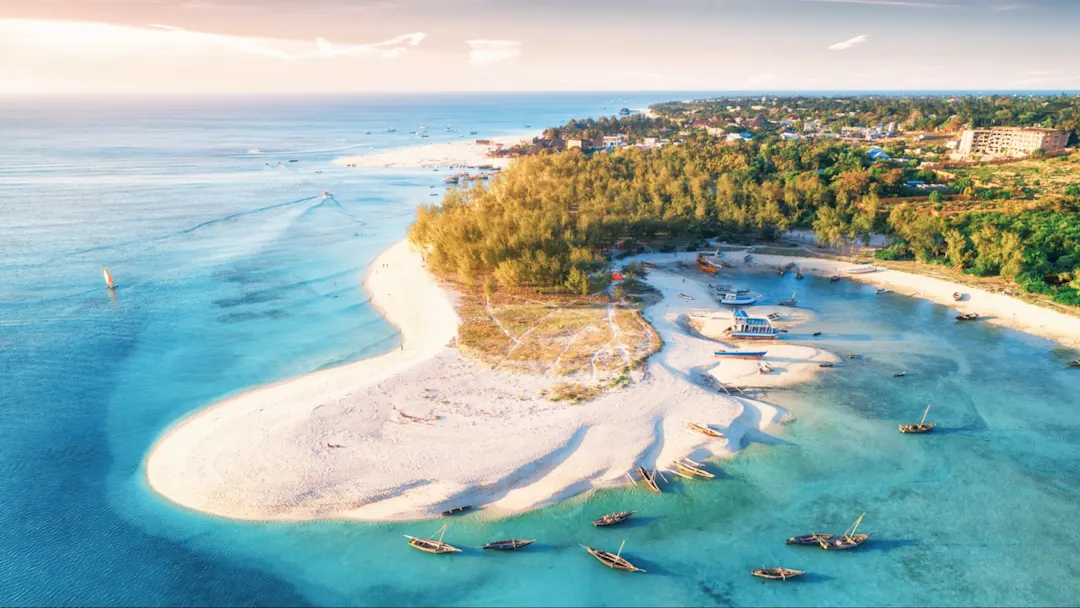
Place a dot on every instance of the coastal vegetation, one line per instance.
(553, 222)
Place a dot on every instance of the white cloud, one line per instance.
(487, 52)
(850, 42)
(85, 37)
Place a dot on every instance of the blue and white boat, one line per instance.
(753, 355)
(732, 298)
(752, 328)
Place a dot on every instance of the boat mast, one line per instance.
(855, 526)
(442, 532)
(620, 549)
(924, 414)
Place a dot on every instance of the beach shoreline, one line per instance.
(414, 432)
(425, 429)
(462, 153)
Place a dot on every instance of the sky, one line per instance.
(87, 47)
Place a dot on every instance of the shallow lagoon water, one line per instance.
(234, 274)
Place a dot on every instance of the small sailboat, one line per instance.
(813, 538)
(690, 467)
(798, 274)
(326, 194)
(512, 544)
(612, 518)
(613, 560)
(649, 479)
(848, 540)
(789, 302)
(777, 573)
(922, 427)
(109, 280)
(430, 545)
(703, 429)
(971, 316)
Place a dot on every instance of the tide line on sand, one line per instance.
(423, 429)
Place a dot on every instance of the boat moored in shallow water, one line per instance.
(813, 538)
(848, 540)
(613, 560)
(777, 573)
(922, 427)
(612, 518)
(971, 316)
(512, 544)
(430, 545)
(109, 280)
(704, 429)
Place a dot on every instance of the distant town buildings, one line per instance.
(1011, 141)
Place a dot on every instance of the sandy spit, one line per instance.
(423, 429)
(464, 153)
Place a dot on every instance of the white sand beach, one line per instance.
(424, 429)
(463, 153)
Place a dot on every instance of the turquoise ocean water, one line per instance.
(234, 272)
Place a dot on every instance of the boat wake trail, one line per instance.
(334, 203)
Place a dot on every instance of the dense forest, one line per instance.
(554, 219)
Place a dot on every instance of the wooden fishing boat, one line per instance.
(789, 265)
(814, 538)
(881, 291)
(835, 278)
(777, 573)
(612, 518)
(725, 263)
(861, 270)
(683, 296)
(957, 296)
(746, 259)
(748, 355)
(705, 265)
(1074, 363)
(692, 468)
(922, 427)
(649, 479)
(899, 374)
(703, 429)
(430, 545)
(789, 302)
(109, 280)
(825, 365)
(971, 316)
(848, 540)
(817, 333)
(512, 544)
(798, 275)
(613, 560)
(456, 510)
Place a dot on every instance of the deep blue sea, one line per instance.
(233, 272)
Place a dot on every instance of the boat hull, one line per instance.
(749, 356)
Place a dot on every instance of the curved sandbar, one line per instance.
(446, 154)
(425, 429)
